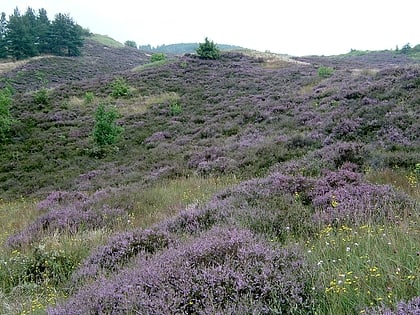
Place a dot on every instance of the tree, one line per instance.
(43, 29)
(3, 32)
(405, 49)
(130, 43)
(106, 131)
(20, 38)
(208, 50)
(66, 36)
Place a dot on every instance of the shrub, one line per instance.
(325, 72)
(120, 88)
(106, 131)
(157, 57)
(39, 266)
(208, 50)
(89, 97)
(5, 117)
(175, 109)
(224, 271)
(41, 97)
(411, 307)
(120, 249)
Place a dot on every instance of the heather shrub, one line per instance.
(223, 271)
(120, 249)
(68, 212)
(360, 204)
(411, 307)
(69, 219)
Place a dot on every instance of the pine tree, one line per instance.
(20, 40)
(43, 28)
(3, 32)
(208, 50)
(66, 36)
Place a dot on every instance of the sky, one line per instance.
(294, 27)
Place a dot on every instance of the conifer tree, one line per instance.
(3, 32)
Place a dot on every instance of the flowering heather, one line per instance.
(223, 271)
(360, 204)
(120, 249)
(70, 212)
(412, 307)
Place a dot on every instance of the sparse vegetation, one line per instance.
(237, 186)
(5, 116)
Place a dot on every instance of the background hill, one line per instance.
(253, 182)
(182, 48)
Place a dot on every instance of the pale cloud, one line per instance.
(297, 27)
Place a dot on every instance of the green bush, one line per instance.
(120, 88)
(89, 97)
(175, 109)
(41, 97)
(5, 117)
(208, 50)
(325, 72)
(157, 57)
(106, 131)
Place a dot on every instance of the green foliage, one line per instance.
(41, 266)
(325, 72)
(120, 88)
(130, 43)
(30, 34)
(208, 50)
(89, 97)
(405, 49)
(175, 109)
(106, 131)
(66, 36)
(41, 97)
(157, 57)
(5, 117)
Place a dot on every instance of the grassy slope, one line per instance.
(239, 118)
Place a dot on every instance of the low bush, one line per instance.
(120, 88)
(223, 271)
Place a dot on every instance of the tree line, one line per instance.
(32, 34)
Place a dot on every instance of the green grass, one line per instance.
(365, 266)
(106, 40)
(150, 65)
(19, 294)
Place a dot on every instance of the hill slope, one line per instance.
(230, 177)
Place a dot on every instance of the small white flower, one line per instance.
(347, 249)
(319, 263)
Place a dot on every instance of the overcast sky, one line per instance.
(295, 27)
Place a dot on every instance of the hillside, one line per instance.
(228, 181)
(182, 48)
